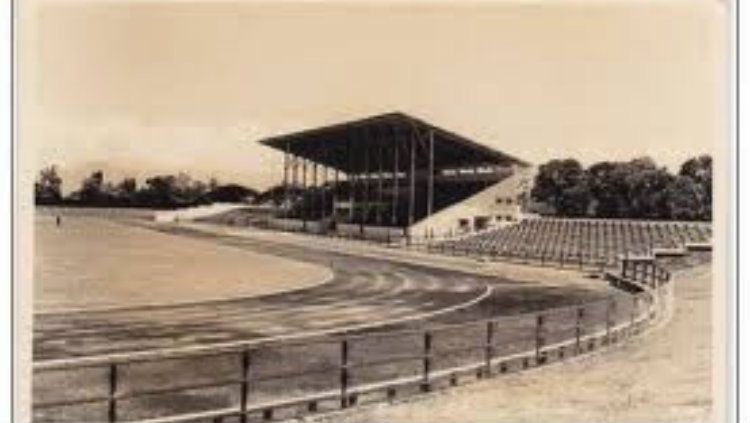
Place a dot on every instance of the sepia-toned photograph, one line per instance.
(367, 211)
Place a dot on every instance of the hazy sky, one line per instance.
(141, 87)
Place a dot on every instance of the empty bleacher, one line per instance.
(582, 241)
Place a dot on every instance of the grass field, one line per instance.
(92, 262)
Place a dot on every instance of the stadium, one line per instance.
(423, 270)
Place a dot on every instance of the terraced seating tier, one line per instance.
(584, 241)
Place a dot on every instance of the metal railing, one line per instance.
(269, 380)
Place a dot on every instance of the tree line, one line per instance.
(160, 191)
(635, 189)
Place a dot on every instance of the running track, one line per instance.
(362, 291)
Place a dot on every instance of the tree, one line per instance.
(231, 193)
(182, 184)
(683, 195)
(609, 190)
(699, 170)
(648, 189)
(576, 199)
(125, 192)
(198, 191)
(213, 183)
(635, 189)
(563, 186)
(127, 187)
(91, 192)
(47, 189)
(159, 191)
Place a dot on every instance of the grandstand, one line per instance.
(583, 241)
(394, 175)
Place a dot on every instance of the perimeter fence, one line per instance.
(282, 379)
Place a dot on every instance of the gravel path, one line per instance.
(663, 377)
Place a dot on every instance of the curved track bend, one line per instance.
(362, 291)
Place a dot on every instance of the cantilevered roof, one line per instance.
(385, 141)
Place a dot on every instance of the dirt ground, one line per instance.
(664, 376)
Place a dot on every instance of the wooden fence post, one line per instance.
(112, 394)
(539, 337)
(580, 312)
(344, 375)
(612, 319)
(426, 361)
(244, 386)
(633, 310)
(608, 321)
(490, 348)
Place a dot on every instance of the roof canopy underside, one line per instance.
(384, 142)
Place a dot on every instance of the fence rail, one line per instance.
(263, 382)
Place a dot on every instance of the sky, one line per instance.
(145, 87)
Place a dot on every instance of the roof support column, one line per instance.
(295, 182)
(304, 191)
(412, 178)
(350, 179)
(366, 215)
(314, 186)
(286, 180)
(431, 175)
(294, 170)
(394, 200)
(335, 193)
(324, 177)
(380, 180)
